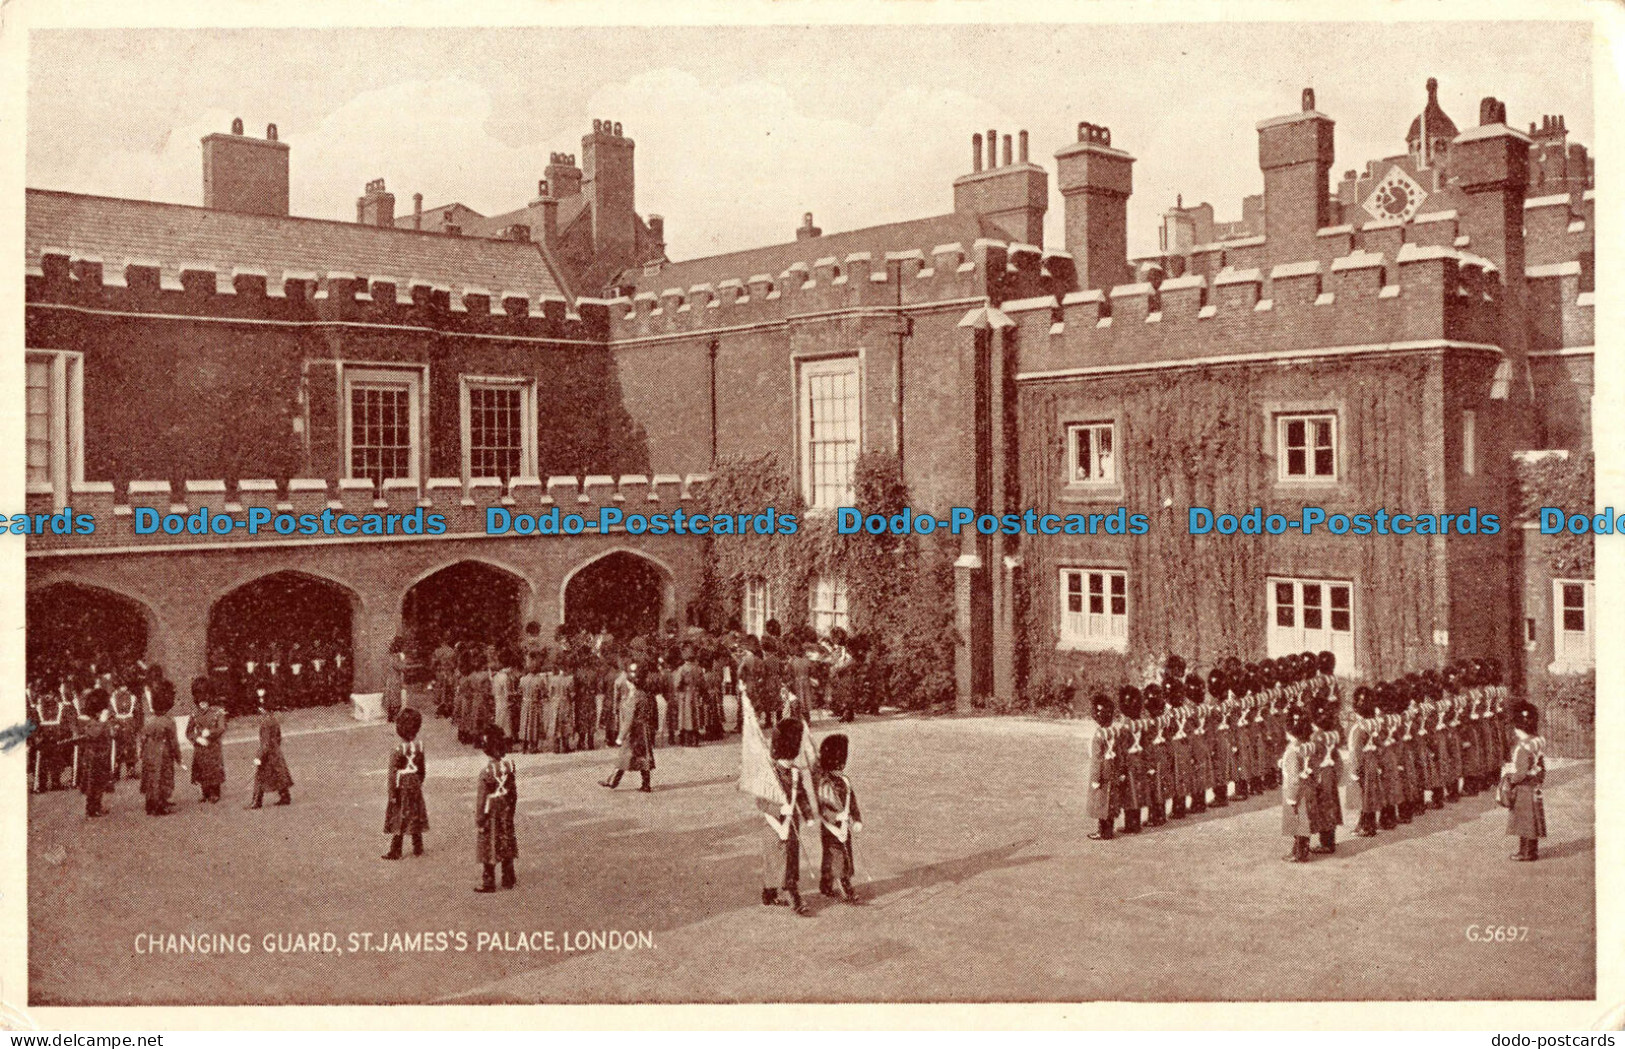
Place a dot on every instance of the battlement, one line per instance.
(1436, 293)
(246, 294)
(930, 274)
(462, 503)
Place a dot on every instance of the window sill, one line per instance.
(1567, 669)
(1092, 493)
(1072, 645)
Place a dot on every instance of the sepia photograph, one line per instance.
(738, 514)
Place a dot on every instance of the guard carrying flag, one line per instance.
(784, 795)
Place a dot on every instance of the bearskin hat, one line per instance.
(1218, 683)
(1382, 698)
(202, 690)
(163, 696)
(1100, 707)
(1193, 687)
(1299, 726)
(407, 723)
(495, 743)
(1326, 662)
(832, 753)
(1364, 703)
(1173, 668)
(1130, 702)
(787, 739)
(94, 702)
(1154, 703)
(1526, 718)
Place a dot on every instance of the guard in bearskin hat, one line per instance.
(1365, 769)
(1220, 687)
(781, 841)
(496, 800)
(1326, 805)
(1131, 784)
(839, 817)
(160, 750)
(406, 813)
(1159, 760)
(1384, 733)
(1176, 730)
(1200, 717)
(1521, 783)
(1102, 768)
(1295, 774)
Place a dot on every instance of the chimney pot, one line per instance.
(270, 132)
(597, 126)
(992, 149)
(417, 211)
(1007, 157)
(237, 125)
(1309, 99)
(976, 152)
(1024, 147)
(1486, 110)
(617, 129)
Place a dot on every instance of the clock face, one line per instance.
(1397, 196)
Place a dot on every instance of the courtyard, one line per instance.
(981, 881)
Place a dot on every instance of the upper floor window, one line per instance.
(1469, 443)
(1094, 609)
(1091, 453)
(55, 422)
(499, 427)
(831, 430)
(382, 430)
(1574, 646)
(1306, 447)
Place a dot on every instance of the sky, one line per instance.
(741, 130)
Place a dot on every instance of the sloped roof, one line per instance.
(176, 235)
(921, 234)
(570, 209)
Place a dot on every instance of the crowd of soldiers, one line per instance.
(577, 694)
(315, 672)
(63, 707)
(1182, 745)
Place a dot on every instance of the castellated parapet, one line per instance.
(211, 292)
(1436, 294)
(930, 274)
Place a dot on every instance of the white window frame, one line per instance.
(1297, 637)
(1574, 651)
(527, 415)
(848, 364)
(1309, 419)
(1085, 629)
(411, 377)
(1469, 442)
(1114, 458)
(755, 605)
(828, 604)
(65, 419)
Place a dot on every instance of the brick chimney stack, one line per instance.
(1013, 195)
(1096, 181)
(606, 162)
(1491, 165)
(563, 177)
(376, 207)
(1295, 153)
(245, 174)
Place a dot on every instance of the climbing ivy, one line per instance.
(1567, 482)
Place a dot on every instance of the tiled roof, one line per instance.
(918, 234)
(177, 235)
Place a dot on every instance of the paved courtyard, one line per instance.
(984, 887)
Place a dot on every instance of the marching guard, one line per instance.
(1521, 783)
(840, 819)
(781, 839)
(496, 800)
(1102, 769)
(271, 775)
(160, 751)
(406, 812)
(206, 730)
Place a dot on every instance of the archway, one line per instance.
(621, 591)
(260, 631)
(469, 601)
(72, 626)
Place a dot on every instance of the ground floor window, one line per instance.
(1094, 608)
(828, 604)
(1312, 615)
(756, 606)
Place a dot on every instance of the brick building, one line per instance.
(1392, 343)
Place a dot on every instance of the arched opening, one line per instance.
(622, 592)
(261, 630)
(73, 626)
(467, 601)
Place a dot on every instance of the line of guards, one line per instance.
(1182, 745)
